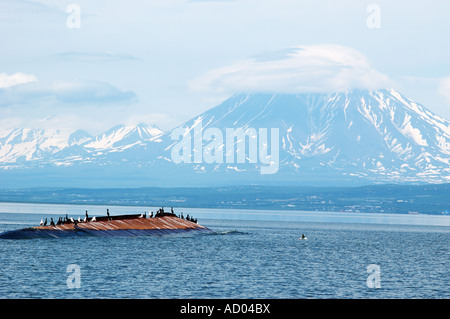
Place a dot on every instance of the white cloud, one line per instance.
(7, 81)
(64, 94)
(308, 68)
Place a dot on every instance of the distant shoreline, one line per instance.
(397, 199)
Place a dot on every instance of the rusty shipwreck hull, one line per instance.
(119, 226)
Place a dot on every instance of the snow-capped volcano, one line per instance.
(377, 136)
(344, 138)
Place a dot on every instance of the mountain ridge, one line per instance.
(357, 136)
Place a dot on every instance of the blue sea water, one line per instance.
(249, 254)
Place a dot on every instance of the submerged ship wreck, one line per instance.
(162, 223)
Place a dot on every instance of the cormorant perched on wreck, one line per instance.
(120, 226)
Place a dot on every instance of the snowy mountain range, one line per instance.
(28, 147)
(345, 138)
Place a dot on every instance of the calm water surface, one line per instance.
(250, 254)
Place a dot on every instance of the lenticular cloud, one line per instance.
(309, 68)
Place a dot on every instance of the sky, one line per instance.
(95, 64)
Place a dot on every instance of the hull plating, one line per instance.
(110, 228)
